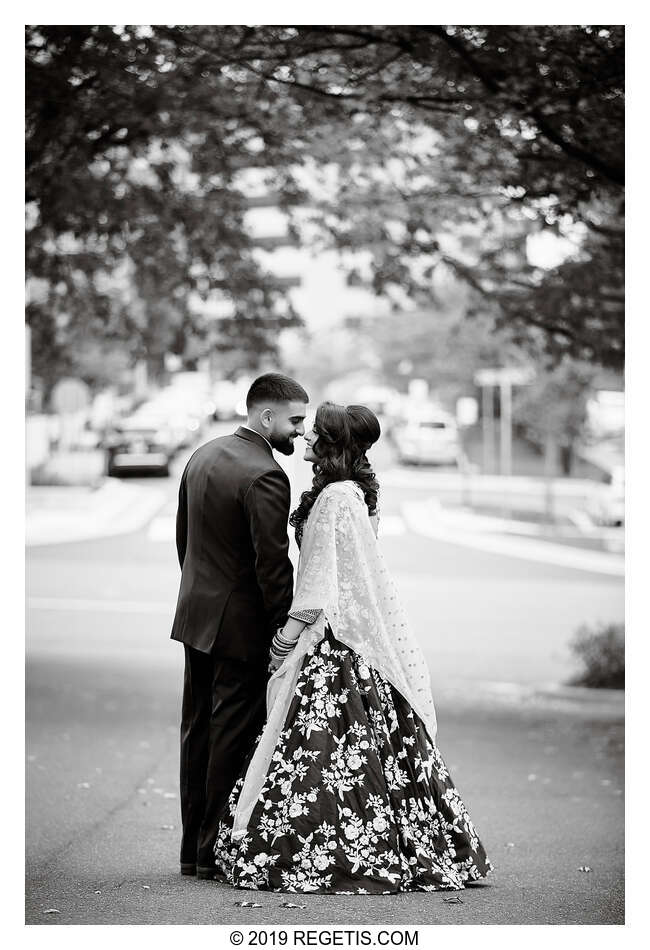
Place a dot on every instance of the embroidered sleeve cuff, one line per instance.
(307, 616)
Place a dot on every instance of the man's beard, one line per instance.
(285, 446)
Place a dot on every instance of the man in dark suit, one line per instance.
(235, 592)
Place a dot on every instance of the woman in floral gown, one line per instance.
(346, 791)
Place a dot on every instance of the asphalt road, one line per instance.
(542, 778)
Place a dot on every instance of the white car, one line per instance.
(428, 442)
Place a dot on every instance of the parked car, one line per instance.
(428, 441)
(134, 447)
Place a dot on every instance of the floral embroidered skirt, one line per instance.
(357, 799)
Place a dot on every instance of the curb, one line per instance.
(421, 519)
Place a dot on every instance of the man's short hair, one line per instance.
(274, 387)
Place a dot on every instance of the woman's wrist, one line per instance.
(293, 628)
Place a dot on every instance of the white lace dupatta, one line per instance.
(341, 571)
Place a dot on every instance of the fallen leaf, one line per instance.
(585, 868)
(97, 892)
(52, 910)
(452, 900)
(246, 904)
(146, 887)
(296, 906)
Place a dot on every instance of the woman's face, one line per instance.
(311, 438)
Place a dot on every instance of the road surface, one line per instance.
(542, 777)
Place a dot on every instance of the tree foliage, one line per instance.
(440, 147)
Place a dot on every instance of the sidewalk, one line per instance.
(59, 513)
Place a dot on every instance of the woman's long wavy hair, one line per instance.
(345, 433)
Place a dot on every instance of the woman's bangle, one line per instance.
(282, 646)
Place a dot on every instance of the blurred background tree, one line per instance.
(455, 146)
(133, 214)
(439, 344)
(552, 410)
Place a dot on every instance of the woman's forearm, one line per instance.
(293, 628)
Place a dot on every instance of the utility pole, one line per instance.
(505, 392)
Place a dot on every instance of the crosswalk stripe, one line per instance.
(162, 528)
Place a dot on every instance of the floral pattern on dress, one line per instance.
(356, 800)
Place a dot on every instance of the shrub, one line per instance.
(602, 653)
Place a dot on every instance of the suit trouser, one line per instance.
(224, 709)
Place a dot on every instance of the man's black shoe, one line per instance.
(206, 874)
(188, 868)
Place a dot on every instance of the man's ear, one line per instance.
(266, 417)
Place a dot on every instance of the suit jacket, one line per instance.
(231, 536)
